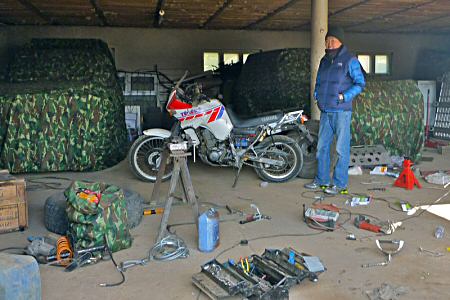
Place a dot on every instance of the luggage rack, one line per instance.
(268, 276)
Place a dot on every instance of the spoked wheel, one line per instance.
(285, 150)
(145, 158)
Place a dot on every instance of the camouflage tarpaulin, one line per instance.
(75, 124)
(90, 223)
(73, 128)
(273, 80)
(390, 113)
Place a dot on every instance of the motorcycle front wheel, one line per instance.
(283, 148)
(144, 158)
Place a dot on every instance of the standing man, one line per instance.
(339, 80)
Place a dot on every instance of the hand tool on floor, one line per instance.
(398, 245)
(257, 216)
(362, 222)
(432, 253)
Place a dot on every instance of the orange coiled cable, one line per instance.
(63, 247)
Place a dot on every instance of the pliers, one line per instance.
(246, 266)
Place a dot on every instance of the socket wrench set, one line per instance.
(268, 276)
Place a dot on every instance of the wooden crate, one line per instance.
(13, 204)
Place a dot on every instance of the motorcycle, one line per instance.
(223, 139)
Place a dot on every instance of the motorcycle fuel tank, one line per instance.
(208, 114)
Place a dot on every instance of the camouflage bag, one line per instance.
(97, 211)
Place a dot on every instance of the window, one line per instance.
(378, 64)
(365, 62)
(381, 64)
(210, 61)
(230, 58)
(244, 57)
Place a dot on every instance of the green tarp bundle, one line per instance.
(390, 113)
(63, 109)
(90, 223)
(273, 80)
(387, 112)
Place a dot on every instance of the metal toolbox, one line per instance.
(268, 276)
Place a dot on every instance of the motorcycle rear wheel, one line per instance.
(144, 158)
(293, 159)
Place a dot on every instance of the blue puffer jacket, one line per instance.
(342, 75)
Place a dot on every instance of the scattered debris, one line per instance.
(351, 237)
(439, 232)
(398, 245)
(355, 170)
(381, 189)
(406, 206)
(264, 184)
(432, 253)
(359, 201)
(379, 170)
(386, 292)
(439, 178)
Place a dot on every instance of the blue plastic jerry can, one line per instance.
(208, 230)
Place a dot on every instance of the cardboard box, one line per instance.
(13, 203)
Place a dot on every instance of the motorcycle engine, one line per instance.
(214, 148)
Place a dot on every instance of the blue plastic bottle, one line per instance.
(208, 230)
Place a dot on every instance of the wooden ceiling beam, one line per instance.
(339, 11)
(416, 6)
(271, 14)
(444, 16)
(217, 13)
(159, 14)
(36, 11)
(99, 12)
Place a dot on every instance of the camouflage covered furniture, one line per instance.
(63, 109)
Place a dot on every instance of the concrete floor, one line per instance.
(425, 277)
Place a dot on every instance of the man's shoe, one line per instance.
(315, 186)
(334, 190)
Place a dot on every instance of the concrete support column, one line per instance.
(319, 28)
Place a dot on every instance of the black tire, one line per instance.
(290, 145)
(55, 215)
(135, 208)
(144, 150)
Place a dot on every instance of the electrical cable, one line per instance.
(117, 268)
(12, 248)
(266, 237)
(169, 248)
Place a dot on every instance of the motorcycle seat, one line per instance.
(239, 122)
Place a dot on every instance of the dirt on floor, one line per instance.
(417, 275)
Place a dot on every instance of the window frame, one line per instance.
(372, 56)
(222, 52)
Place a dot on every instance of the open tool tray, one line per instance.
(256, 277)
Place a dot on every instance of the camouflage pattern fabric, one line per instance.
(67, 113)
(390, 113)
(90, 223)
(273, 80)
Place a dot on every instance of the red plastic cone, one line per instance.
(407, 179)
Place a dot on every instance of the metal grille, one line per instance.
(441, 127)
